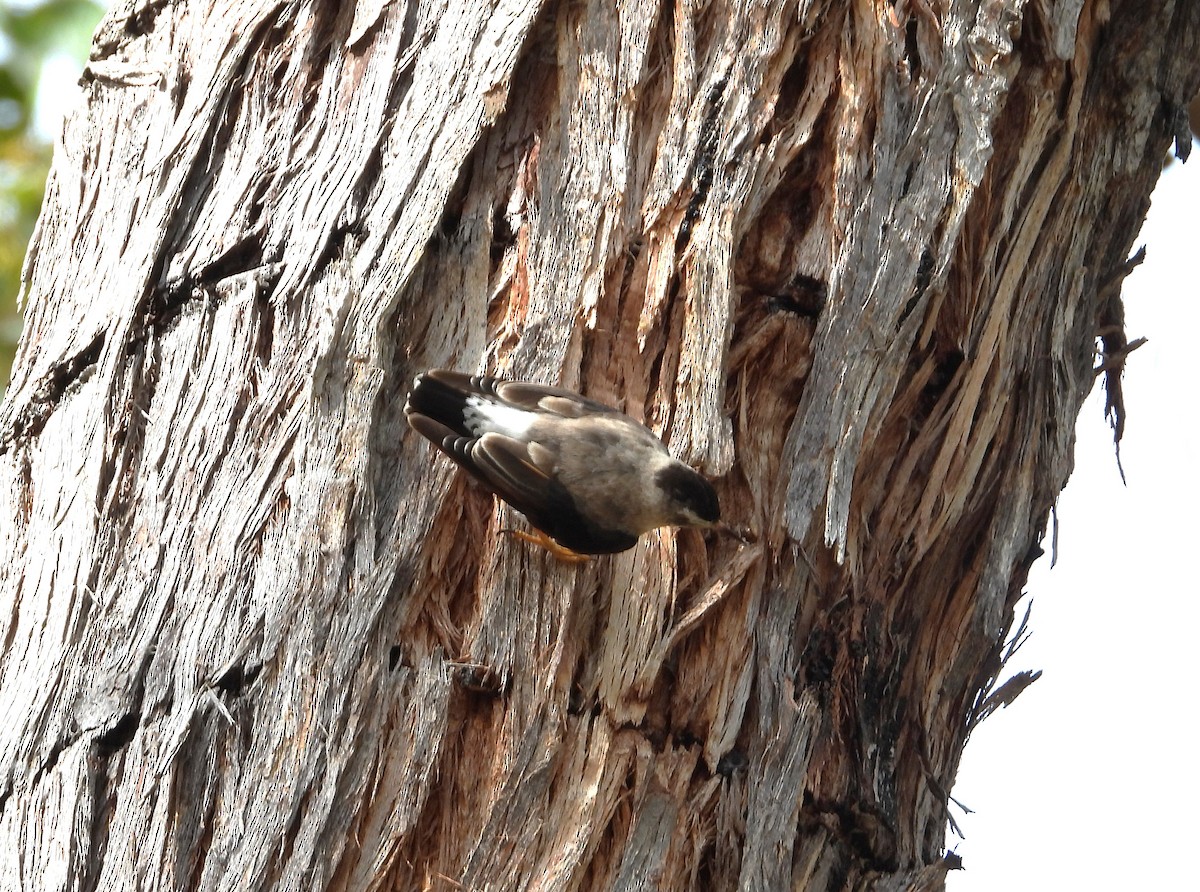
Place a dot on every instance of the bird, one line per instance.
(585, 475)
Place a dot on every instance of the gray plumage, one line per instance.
(587, 475)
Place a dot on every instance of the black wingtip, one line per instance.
(440, 396)
(457, 380)
(456, 446)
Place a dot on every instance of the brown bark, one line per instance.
(851, 259)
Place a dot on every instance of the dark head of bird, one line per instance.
(691, 498)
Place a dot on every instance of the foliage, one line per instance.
(30, 35)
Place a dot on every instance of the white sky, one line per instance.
(1088, 780)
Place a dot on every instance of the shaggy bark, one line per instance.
(853, 260)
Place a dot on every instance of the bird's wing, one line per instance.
(520, 394)
(556, 400)
(523, 394)
(518, 472)
(438, 433)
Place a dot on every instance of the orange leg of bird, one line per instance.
(543, 541)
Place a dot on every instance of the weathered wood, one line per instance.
(851, 259)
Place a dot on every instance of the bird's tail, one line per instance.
(441, 396)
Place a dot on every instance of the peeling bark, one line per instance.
(851, 260)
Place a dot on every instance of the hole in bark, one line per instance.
(119, 736)
(819, 657)
(257, 201)
(478, 679)
(246, 254)
(707, 870)
(803, 296)
(791, 89)
(51, 760)
(923, 277)
(911, 50)
(163, 305)
(946, 366)
(396, 658)
(50, 392)
(576, 701)
(732, 762)
(238, 677)
(141, 22)
(503, 235)
(453, 210)
(924, 271)
(703, 169)
(266, 331)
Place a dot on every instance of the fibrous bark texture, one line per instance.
(853, 260)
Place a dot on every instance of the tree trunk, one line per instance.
(851, 259)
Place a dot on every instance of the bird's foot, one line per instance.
(543, 541)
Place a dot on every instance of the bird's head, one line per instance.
(689, 499)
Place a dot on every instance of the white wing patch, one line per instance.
(483, 416)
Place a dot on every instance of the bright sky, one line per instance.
(1088, 780)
